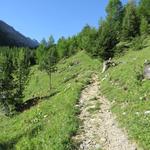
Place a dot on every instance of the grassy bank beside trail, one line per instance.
(49, 124)
(130, 94)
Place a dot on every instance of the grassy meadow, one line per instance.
(49, 124)
(125, 87)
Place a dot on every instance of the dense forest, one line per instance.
(124, 24)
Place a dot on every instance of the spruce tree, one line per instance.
(130, 27)
(72, 45)
(87, 39)
(144, 9)
(110, 30)
(21, 73)
(106, 41)
(40, 53)
(6, 81)
(49, 63)
(144, 26)
(114, 17)
(62, 48)
(44, 42)
(51, 41)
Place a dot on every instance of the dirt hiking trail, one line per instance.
(99, 129)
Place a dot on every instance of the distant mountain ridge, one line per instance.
(10, 37)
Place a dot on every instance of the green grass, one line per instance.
(124, 86)
(50, 124)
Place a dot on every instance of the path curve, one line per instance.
(99, 129)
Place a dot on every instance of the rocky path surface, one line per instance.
(99, 129)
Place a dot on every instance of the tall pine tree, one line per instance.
(130, 27)
(114, 16)
(144, 26)
(6, 81)
(110, 29)
(144, 9)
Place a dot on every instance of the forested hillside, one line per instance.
(40, 88)
(10, 37)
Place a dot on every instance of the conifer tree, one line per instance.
(51, 41)
(144, 9)
(49, 63)
(6, 81)
(40, 53)
(110, 29)
(106, 41)
(62, 48)
(21, 73)
(87, 38)
(114, 17)
(144, 26)
(130, 27)
(44, 42)
(72, 45)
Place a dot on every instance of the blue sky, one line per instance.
(42, 18)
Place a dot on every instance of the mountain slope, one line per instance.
(50, 124)
(10, 37)
(129, 93)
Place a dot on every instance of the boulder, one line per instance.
(147, 71)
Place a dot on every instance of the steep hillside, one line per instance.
(48, 119)
(129, 93)
(10, 37)
(53, 120)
